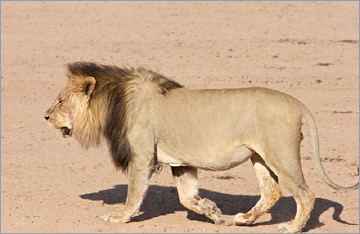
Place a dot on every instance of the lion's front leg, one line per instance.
(139, 174)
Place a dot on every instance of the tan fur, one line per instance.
(190, 129)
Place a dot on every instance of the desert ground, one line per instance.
(309, 50)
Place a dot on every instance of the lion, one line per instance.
(148, 120)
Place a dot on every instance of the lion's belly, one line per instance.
(205, 160)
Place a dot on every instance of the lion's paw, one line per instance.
(114, 218)
(210, 209)
(285, 228)
(243, 219)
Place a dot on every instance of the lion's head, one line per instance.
(60, 114)
(71, 103)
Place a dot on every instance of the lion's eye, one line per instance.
(60, 101)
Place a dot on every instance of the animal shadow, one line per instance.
(161, 200)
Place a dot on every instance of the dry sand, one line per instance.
(307, 49)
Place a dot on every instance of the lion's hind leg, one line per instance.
(293, 180)
(270, 192)
(304, 198)
(186, 181)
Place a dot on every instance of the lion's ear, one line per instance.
(88, 85)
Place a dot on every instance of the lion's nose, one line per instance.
(46, 117)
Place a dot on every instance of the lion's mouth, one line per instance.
(66, 131)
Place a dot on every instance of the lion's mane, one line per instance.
(107, 115)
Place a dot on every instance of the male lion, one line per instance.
(148, 120)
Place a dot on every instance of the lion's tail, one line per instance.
(311, 127)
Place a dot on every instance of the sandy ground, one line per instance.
(307, 49)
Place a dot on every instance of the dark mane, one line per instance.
(111, 85)
(98, 71)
